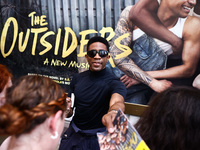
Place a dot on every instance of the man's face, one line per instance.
(97, 63)
(181, 8)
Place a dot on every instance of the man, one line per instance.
(155, 27)
(98, 96)
(144, 15)
(168, 14)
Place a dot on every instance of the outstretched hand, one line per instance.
(108, 119)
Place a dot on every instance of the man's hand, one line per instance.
(128, 81)
(160, 85)
(108, 119)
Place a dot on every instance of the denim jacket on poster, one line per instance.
(148, 56)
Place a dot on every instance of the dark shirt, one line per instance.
(92, 92)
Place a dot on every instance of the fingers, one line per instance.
(126, 80)
(107, 120)
(123, 78)
(167, 83)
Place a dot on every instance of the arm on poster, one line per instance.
(190, 55)
(116, 103)
(144, 15)
(125, 26)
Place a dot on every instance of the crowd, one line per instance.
(33, 108)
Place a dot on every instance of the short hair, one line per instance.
(5, 74)
(172, 120)
(98, 39)
(29, 102)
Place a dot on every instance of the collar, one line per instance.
(98, 73)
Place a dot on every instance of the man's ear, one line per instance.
(54, 121)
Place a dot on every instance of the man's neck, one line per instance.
(166, 16)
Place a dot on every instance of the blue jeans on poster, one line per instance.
(148, 56)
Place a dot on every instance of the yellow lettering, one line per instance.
(73, 45)
(132, 142)
(134, 138)
(78, 65)
(4, 35)
(45, 43)
(46, 62)
(111, 62)
(37, 20)
(124, 48)
(57, 42)
(72, 64)
(42, 21)
(36, 32)
(104, 30)
(53, 62)
(63, 63)
(67, 49)
(22, 46)
(32, 17)
(83, 42)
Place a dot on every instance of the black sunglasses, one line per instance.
(102, 53)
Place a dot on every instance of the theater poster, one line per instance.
(48, 37)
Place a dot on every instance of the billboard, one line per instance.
(48, 38)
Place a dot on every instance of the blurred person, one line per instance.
(98, 96)
(33, 115)
(171, 122)
(5, 82)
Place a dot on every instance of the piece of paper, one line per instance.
(125, 136)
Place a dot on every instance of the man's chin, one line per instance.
(96, 69)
